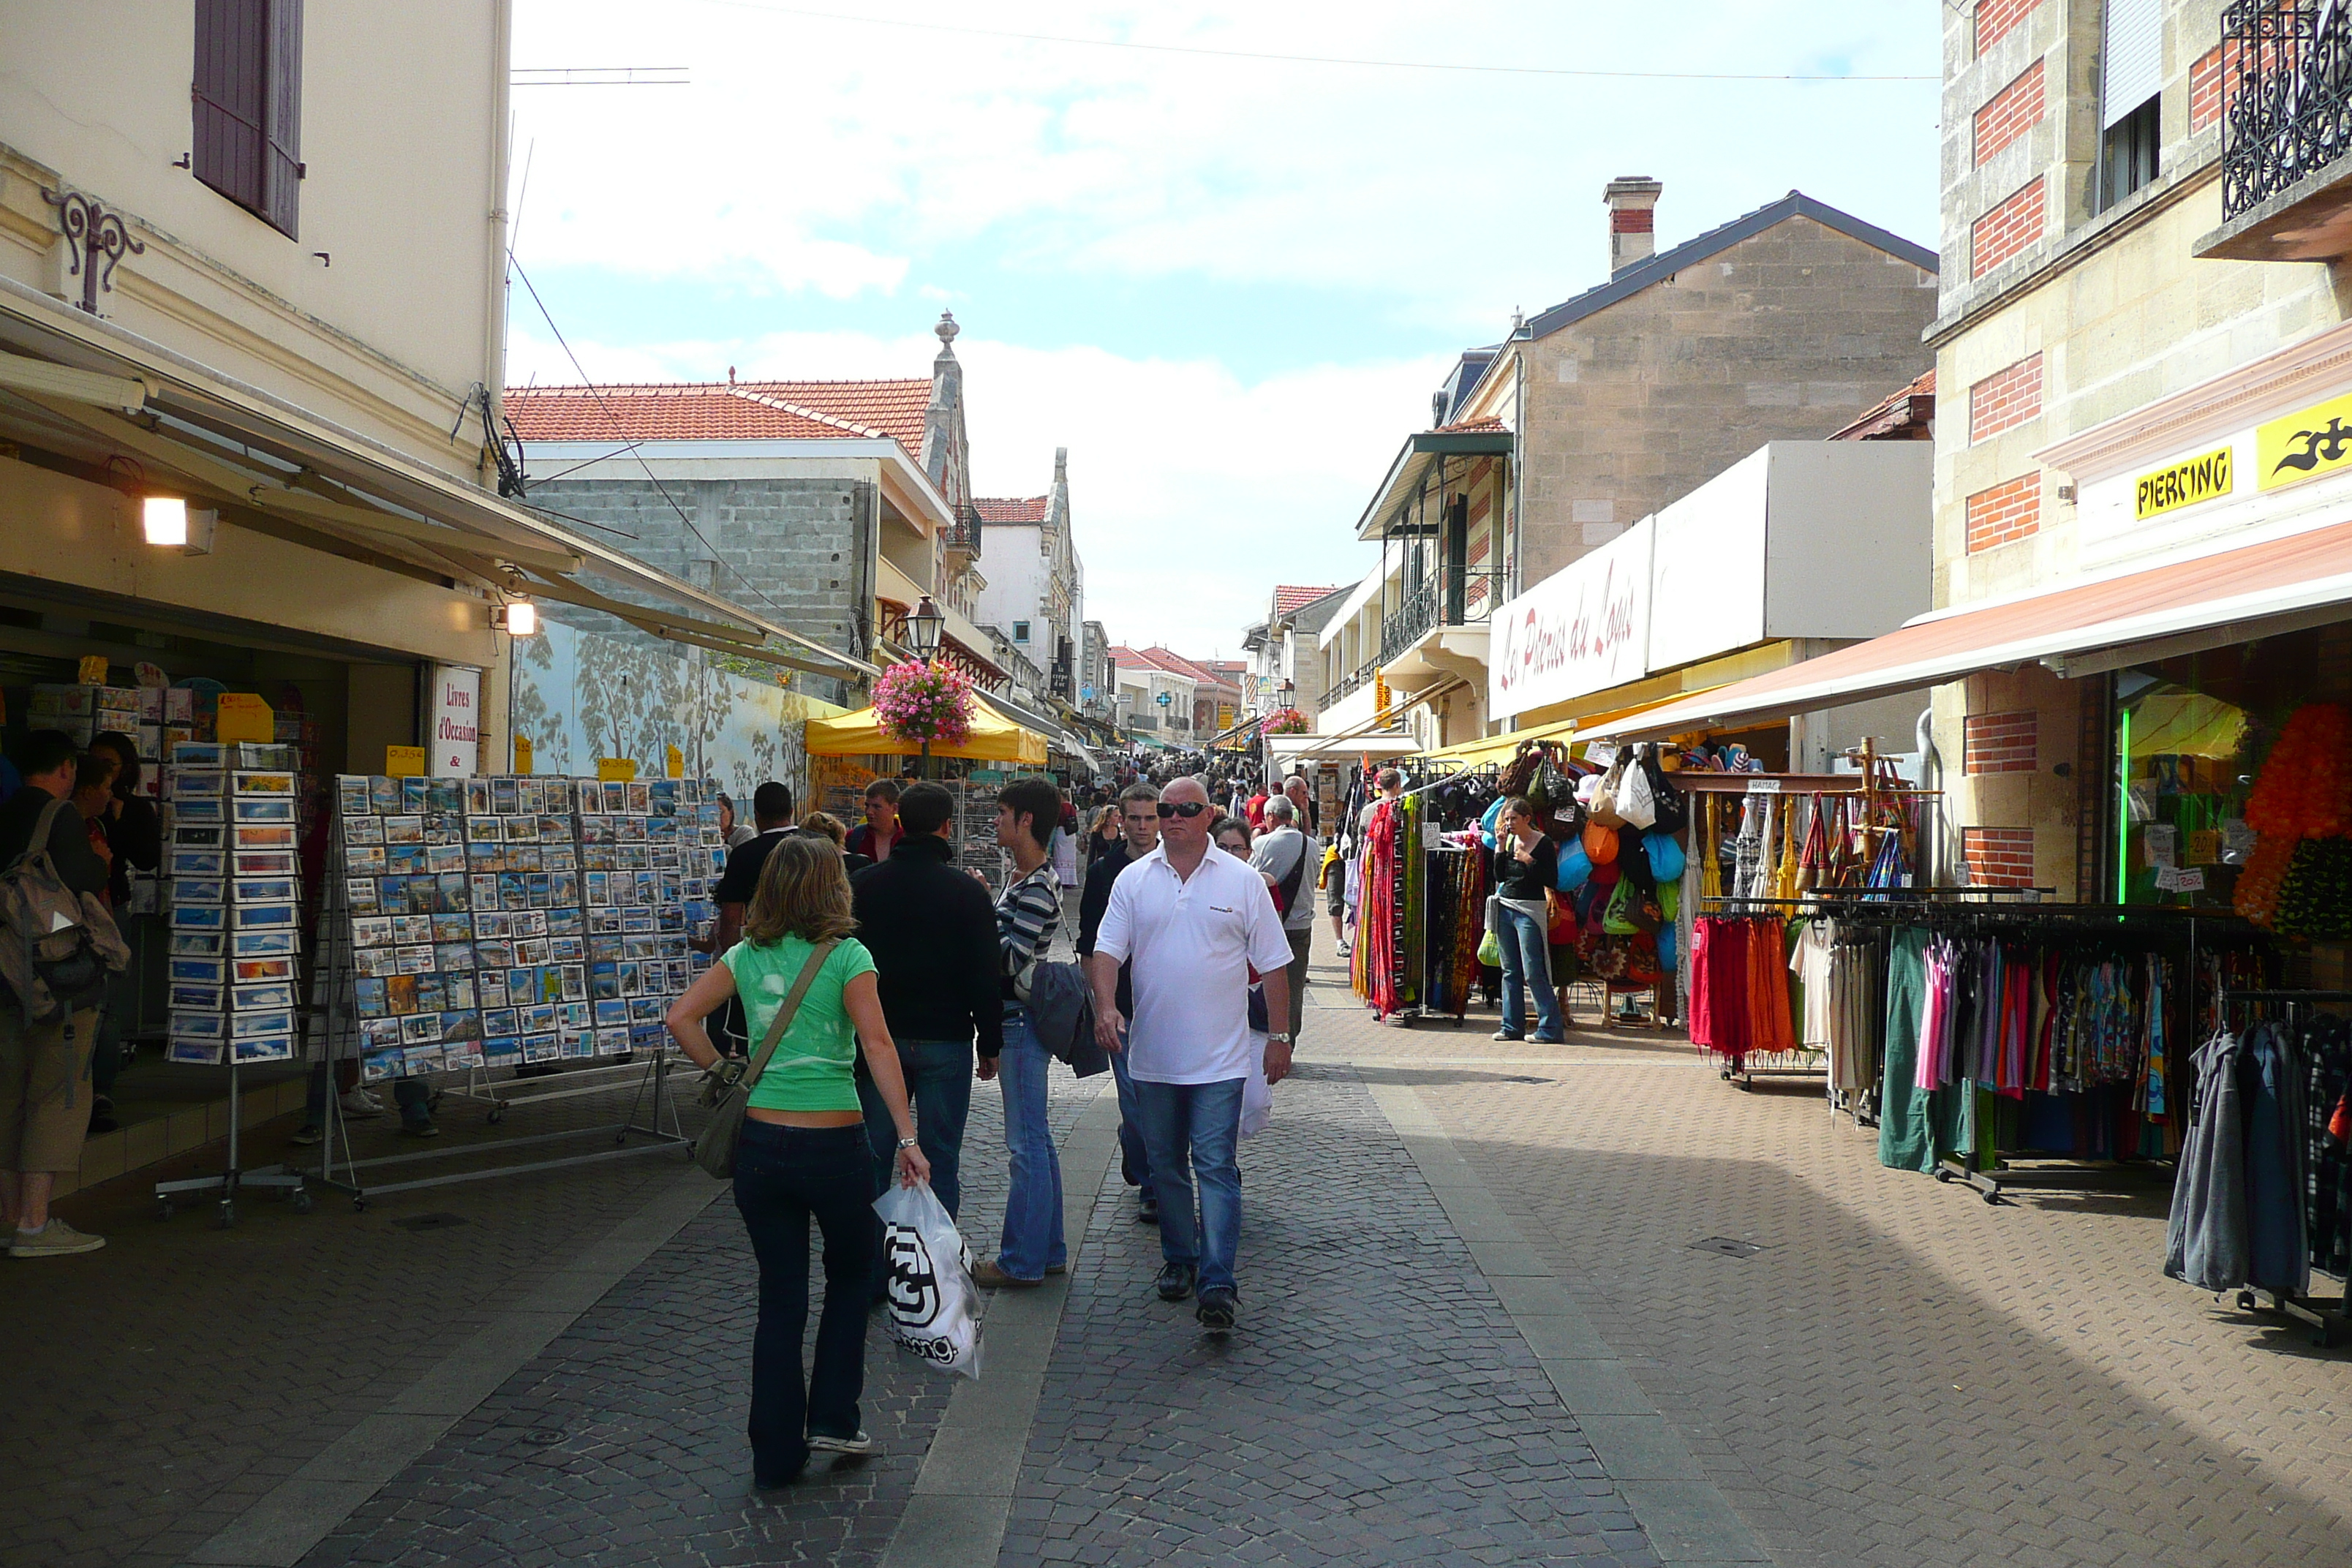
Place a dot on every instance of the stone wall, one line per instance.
(1787, 335)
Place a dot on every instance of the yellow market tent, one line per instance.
(993, 739)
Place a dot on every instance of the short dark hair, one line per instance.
(1389, 778)
(1040, 800)
(123, 746)
(47, 750)
(772, 802)
(882, 789)
(1139, 792)
(924, 807)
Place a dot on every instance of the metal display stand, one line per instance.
(283, 1180)
(336, 972)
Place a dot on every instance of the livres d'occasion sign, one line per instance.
(2184, 483)
(1584, 628)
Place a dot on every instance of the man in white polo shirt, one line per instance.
(1191, 921)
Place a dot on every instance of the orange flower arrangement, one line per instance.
(2305, 788)
(2257, 893)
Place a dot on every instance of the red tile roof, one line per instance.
(1289, 597)
(1031, 510)
(1469, 426)
(724, 411)
(1911, 409)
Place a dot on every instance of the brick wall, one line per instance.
(1998, 857)
(1996, 17)
(2213, 81)
(2007, 512)
(2006, 231)
(2015, 110)
(2001, 743)
(2005, 399)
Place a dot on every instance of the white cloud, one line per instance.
(1192, 492)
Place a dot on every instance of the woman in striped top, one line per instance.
(1028, 912)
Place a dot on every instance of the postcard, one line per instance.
(272, 944)
(263, 835)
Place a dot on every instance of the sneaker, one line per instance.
(1146, 1211)
(861, 1444)
(1053, 1269)
(1175, 1282)
(1546, 1040)
(306, 1136)
(419, 1130)
(988, 1276)
(361, 1102)
(54, 1240)
(1507, 1035)
(1216, 1310)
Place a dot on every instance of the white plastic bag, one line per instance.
(934, 1307)
(1636, 803)
(1257, 1096)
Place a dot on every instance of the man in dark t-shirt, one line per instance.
(772, 815)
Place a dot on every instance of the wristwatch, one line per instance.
(905, 1142)
(1283, 1035)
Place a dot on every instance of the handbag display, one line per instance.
(730, 1096)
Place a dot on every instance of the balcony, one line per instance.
(2286, 132)
(964, 536)
(1440, 629)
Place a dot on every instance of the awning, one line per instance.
(269, 465)
(1055, 733)
(2209, 601)
(993, 739)
(1497, 748)
(1295, 748)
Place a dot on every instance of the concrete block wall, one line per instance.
(1784, 336)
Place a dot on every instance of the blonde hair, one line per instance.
(803, 891)
(824, 822)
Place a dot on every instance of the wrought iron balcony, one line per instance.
(1456, 597)
(965, 534)
(2285, 81)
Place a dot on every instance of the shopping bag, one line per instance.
(1636, 803)
(934, 1307)
(1257, 1102)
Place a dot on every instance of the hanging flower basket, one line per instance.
(917, 701)
(1284, 722)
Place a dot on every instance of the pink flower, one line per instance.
(919, 701)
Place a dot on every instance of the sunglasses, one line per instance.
(1187, 809)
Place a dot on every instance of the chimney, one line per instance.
(1631, 199)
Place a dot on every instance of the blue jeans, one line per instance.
(1193, 1129)
(939, 1083)
(1033, 1209)
(1526, 965)
(784, 1177)
(1134, 1158)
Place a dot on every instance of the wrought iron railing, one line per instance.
(1456, 597)
(965, 534)
(2286, 91)
(1348, 686)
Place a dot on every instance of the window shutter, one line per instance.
(228, 147)
(281, 169)
(2132, 63)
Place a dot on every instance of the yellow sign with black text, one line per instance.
(2306, 444)
(2184, 483)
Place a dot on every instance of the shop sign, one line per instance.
(454, 736)
(2306, 444)
(242, 716)
(2185, 483)
(1584, 628)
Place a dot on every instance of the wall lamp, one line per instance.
(516, 618)
(169, 524)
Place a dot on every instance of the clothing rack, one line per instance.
(2323, 1319)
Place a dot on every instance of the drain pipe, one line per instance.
(1931, 777)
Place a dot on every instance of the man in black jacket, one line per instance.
(933, 931)
(1139, 821)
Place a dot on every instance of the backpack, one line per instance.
(56, 946)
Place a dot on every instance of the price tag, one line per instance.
(674, 761)
(2173, 879)
(2163, 843)
(403, 762)
(616, 770)
(1601, 753)
(1763, 786)
(2205, 847)
(242, 716)
(93, 670)
(522, 760)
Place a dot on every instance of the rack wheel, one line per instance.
(359, 1205)
(2245, 1301)
(498, 1114)
(299, 1200)
(1993, 1197)
(227, 1214)
(2324, 1336)
(1943, 1178)
(163, 1209)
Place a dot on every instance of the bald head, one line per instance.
(1185, 788)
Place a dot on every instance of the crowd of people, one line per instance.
(871, 982)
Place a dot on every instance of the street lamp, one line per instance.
(923, 628)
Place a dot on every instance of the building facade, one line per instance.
(1034, 593)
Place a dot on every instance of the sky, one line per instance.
(1227, 285)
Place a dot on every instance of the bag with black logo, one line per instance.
(934, 1307)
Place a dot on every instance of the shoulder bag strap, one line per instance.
(38, 845)
(783, 1021)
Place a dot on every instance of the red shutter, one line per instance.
(248, 104)
(281, 172)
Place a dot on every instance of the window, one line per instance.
(248, 105)
(1021, 631)
(2131, 69)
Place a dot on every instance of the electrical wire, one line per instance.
(1302, 59)
(548, 318)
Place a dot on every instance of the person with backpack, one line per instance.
(45, 1060)
(1288, 857)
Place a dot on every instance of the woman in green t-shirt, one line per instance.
(803, 1152)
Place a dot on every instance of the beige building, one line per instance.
(2143, 517)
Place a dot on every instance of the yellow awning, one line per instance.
(1501, 748)
(993, 739)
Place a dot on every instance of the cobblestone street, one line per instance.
(1474, 1328)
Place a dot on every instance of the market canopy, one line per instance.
(2136, 617)
(993, 739)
